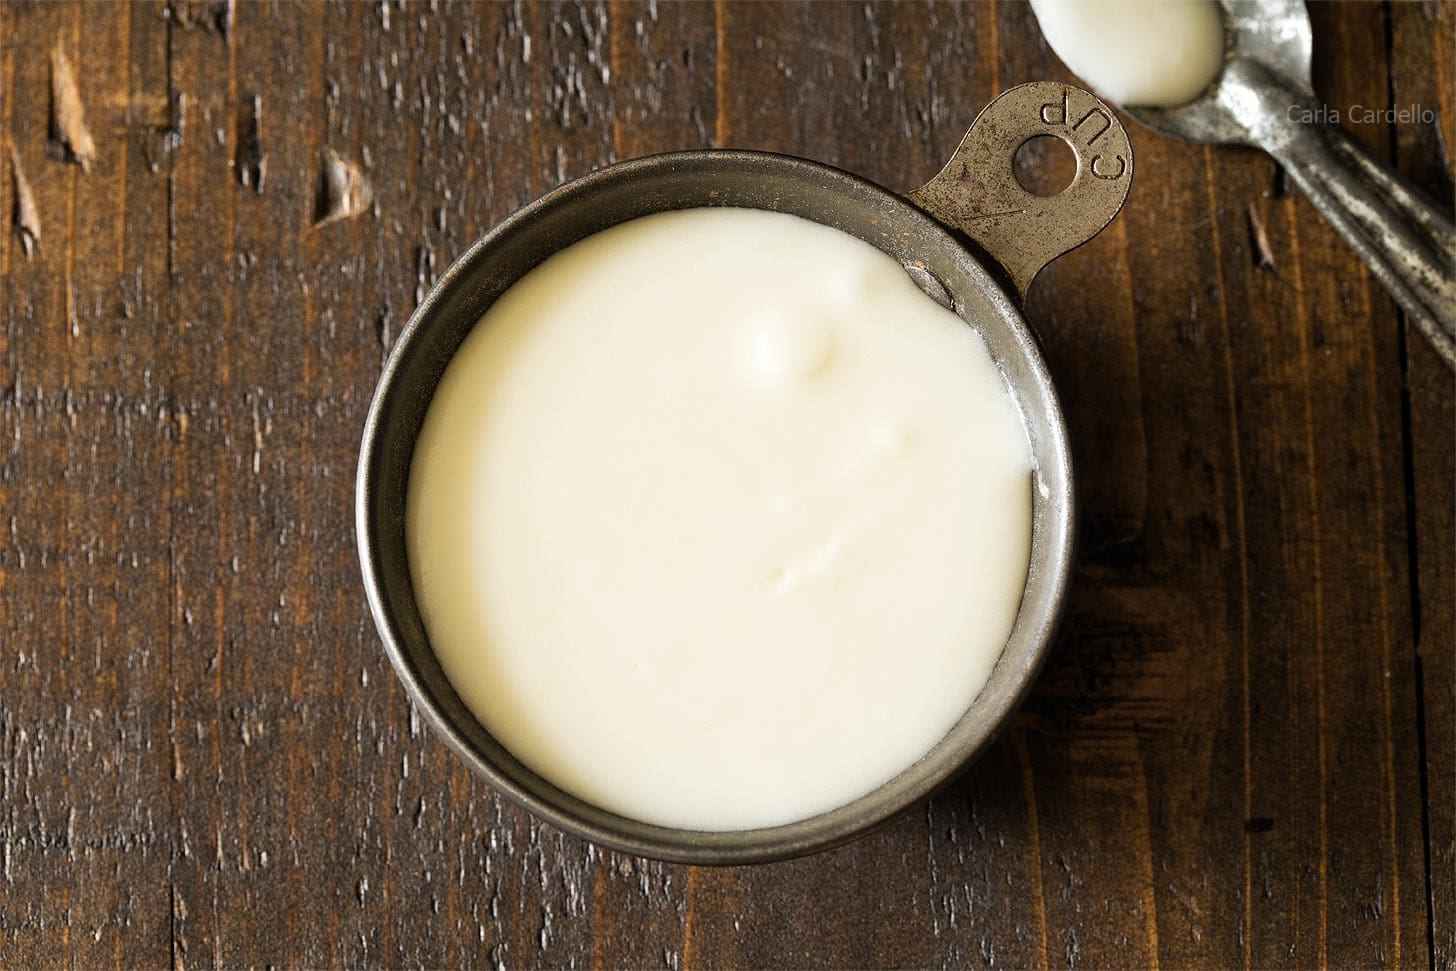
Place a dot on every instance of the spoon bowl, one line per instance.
(1274, 34)
(1264, 98)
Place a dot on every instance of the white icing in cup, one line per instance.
(717, 521)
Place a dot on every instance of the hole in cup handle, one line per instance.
(978, 193)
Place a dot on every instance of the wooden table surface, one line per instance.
(1242, 753)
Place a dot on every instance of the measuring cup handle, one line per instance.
(978, 193)
(1408, 242)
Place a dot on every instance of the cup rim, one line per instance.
(812, 834)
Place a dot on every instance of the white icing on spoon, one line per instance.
(1151, 53)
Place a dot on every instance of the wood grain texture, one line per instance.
(1423, 72)
(1242, 753)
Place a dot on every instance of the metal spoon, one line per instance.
(1264, 98)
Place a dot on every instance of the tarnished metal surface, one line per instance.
(978, 193)
(1264, 98)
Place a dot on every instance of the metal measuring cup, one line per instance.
(971, 237)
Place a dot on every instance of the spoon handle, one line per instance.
(1408, 242)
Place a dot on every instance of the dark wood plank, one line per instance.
(207, 492)
(1423, 77)
(664, 76)
(87, 831)
(117, 618)
(1376, 898)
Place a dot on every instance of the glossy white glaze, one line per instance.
(717, 521)
(1154, 53)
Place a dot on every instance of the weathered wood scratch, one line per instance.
(25, 216)
(68, 117)
(344, 191)
(249, 161)
(1263, 254)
